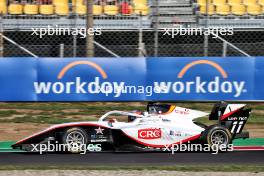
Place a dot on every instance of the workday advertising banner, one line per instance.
(101, 79)
(131, 79)
(202, 78)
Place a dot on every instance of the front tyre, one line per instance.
(75, 140)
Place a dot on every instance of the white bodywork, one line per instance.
(158, 130)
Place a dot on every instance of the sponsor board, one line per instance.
(131, 79)
(197, 78)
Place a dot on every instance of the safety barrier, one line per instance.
(132, 79)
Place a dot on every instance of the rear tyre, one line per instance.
(75, 139)
(217, 136)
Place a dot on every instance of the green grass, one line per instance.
(256, 119)
(38, 119)
(63, 106)
(184, 168)
(7, 113)
(52, 113)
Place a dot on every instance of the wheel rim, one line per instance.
(219, 137)
(75, 140)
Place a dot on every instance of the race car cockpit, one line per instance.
(158, 108)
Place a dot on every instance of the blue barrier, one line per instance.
(131, 79)
(203, 78)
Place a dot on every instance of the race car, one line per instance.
(159, 126)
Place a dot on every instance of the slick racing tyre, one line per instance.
(75, 140)
(217, 136)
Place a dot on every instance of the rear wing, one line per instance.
(221, 110)
(232, 116)
(218, 109)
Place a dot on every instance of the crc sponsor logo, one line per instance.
(218, 84)
(149, 133)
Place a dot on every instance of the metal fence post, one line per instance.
(74, 36)
(205, 45)
(1, 36)
(224, 49)
(206, 40)
(61, 50)
(89, 24)
(156, 28)
(141, 46)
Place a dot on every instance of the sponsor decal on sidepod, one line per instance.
(149, 133)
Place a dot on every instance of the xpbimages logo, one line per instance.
(101, 85)
(218, 84)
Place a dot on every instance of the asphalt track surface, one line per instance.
(237, 157)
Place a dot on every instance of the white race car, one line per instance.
(160, 126)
